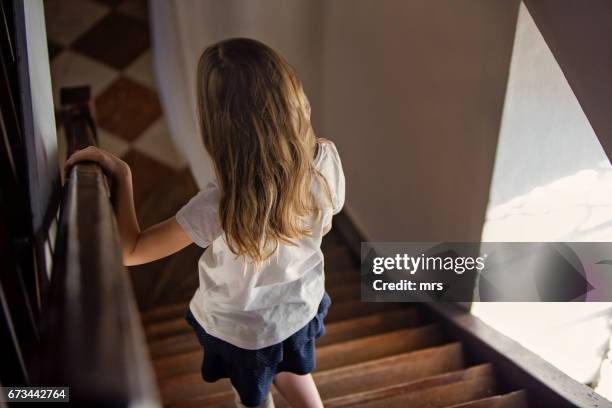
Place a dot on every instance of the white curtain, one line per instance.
(182, 29)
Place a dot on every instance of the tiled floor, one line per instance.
(106, 44)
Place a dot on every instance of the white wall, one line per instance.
(413, 92)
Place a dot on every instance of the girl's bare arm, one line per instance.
(158, 241)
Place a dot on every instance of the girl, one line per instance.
(261, 300)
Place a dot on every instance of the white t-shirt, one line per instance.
(255, 309)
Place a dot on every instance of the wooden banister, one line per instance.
(91, 335)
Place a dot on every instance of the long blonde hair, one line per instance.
(255, 122)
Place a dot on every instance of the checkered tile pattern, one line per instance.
(105, 44)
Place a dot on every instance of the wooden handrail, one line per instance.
(91, 335)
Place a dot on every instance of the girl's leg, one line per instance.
(300, 391)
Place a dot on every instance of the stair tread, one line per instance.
(167, 328)
(435, 391)
(515, 399)
(376, 373)
(331, 356)
(191, 390)
(369, 325)
(357, 308)
(378, 345)
(159, 313)
(169, 346)
(334, 332)
(332, 383)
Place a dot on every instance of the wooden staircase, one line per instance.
(372, 355)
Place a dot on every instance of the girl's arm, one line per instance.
(138, 247)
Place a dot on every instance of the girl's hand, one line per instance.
(138, 247)
(112, 165)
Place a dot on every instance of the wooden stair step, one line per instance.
(335, 355)
(515, 399)
(390, 370)
(334, 332)
(191, 387)
(167, 328)
(357, 308)
(169, 346)
(180, 295)
(224, 400)
(184, 363)
(438, 391)
(369, 325)
(192, 392)
(165, 312)
(378, 346)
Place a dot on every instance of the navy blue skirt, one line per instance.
(251, 372)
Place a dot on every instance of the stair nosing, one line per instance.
(383, 393)
(338, 370)
(429, 326)
(494, 397)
